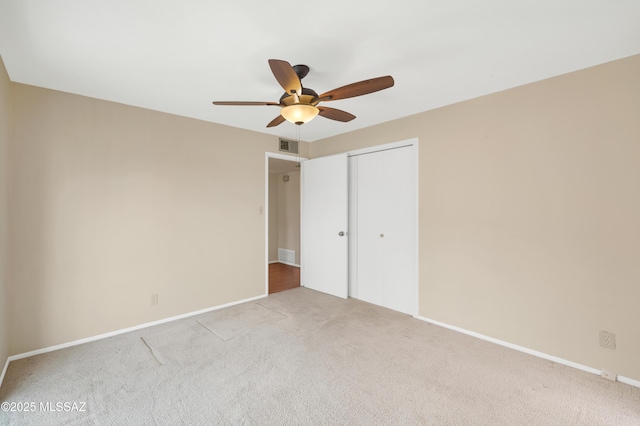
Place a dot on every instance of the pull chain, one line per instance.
(298, 137)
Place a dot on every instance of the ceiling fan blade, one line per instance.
(278, 120)
(336, 114)
(358, 89)
(286, 76)
(241, 103)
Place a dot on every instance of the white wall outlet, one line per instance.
(607, 340)
(154, 299)
(608, 375)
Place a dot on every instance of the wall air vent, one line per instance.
(288, 146)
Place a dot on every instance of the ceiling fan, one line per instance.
(300, 104)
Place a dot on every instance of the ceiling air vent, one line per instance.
(288, 146)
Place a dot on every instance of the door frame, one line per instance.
(265, 209)
(385, 147)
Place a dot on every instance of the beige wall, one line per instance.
(529, 213)
(111, 203)
(273, 217)
(284, 214)
(289, 213)
(4, 174)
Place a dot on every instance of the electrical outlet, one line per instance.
(154, 299)
(608, 375)
(607, 340)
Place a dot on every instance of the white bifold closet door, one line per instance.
(383, 190)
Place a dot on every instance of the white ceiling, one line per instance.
(178, 56)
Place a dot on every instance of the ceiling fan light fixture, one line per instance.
(299, 113)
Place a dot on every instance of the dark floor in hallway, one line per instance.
(283, 277)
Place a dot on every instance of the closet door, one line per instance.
(398, 226)
(386, 229)
(370, 251)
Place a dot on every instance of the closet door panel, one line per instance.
(398, 218)
(353, 227)
(370, 244)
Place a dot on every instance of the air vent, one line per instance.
(288, 146)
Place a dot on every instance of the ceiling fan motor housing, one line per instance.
(301, 70)
(307, 97)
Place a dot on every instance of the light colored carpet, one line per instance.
(302, 357)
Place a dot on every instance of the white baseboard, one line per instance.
(621, 379)
(548, 357)
(4, 371)
(628, 381)
(122, 331)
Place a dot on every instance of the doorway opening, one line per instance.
(282, 223)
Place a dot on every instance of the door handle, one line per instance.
(381, 235)
(341, 233)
